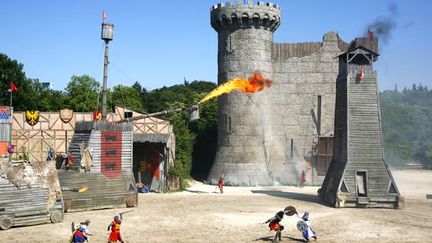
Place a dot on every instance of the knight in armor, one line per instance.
(304, 226)
(115, 230)
(80, 232)
(274, 224)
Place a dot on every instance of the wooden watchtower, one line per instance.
(358, 175)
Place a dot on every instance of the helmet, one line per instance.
(305, 216)
(280, 214)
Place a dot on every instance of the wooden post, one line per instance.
(319, 116)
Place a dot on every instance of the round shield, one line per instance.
(290, 211)
(302, 226)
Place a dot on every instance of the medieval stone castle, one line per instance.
(270, 137)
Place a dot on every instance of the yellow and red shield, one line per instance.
(66, 115)
(97, 116)
(32, 117)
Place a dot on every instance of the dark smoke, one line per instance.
(383, 26)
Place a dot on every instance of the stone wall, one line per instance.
(297, 83)
(256, 131)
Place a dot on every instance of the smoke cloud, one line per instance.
(383, 26)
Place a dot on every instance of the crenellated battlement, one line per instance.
(241, 15)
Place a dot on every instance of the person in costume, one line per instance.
(50, 155)
(221, 184)
(274, 224)
(80, 232)
(115, 230)
(304, 226)
(303, 178)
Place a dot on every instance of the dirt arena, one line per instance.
(201, 215)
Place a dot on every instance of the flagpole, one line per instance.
(10, 123)
(107, 36)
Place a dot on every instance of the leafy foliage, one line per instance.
(82, 93)
(407, 125)
(128, 97)
(196, 141)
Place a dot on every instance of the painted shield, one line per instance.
(32, 117)
(5, 112)
(66, 115)
(302, 226)
(97, 116)
(290, 211)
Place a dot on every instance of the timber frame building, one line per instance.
(153, 141)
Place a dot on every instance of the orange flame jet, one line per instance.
(255, 83)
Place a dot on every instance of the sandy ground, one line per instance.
(201, 215)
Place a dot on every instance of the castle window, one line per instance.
(229, 46)
(292, 148)
(229, 124)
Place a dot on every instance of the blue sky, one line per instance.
(162, 42)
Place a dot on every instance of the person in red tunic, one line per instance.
(220, 183)
(115, 230)
(274, 224)
(303, 178)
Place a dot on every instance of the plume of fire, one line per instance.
(255, 83)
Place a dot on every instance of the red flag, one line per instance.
(103, 15)
(370, 34)
(13, 87)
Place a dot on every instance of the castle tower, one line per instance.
(358, 175)
(245, 40)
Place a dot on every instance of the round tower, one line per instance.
(245, 40)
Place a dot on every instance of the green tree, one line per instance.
(12, 71)
(184, 141)
(407, 125)
(83, 94)
(47, 99)
(143, 94)
(128, 97)
(196, 141)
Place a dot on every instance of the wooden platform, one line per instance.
(23, 205)
(100, 191)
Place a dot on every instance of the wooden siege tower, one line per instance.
(110, 182)
(358, 175)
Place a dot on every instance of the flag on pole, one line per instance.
(13, 87)
(103, 15)
(370, 34)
